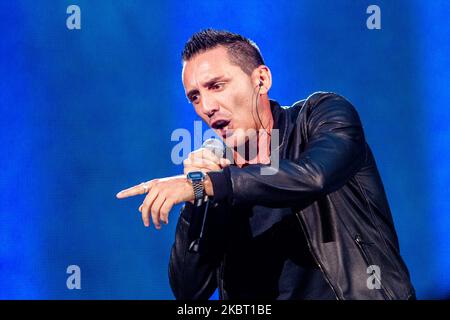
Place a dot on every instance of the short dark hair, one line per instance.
(242, 51)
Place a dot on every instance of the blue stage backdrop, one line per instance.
(87, 112)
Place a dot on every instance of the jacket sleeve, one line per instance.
(334, 151)
(192, 275)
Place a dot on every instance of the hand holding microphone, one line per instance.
(208, 158)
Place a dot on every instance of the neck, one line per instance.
(257, 148)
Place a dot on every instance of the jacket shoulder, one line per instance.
(324, 103)
(317, 98)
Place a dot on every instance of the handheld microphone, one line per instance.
(215, 146)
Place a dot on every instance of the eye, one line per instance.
(194, 99)
(217, 86)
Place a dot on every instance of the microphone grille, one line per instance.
(214, 145)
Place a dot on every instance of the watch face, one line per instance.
(195, 175)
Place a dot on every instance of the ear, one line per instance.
(262, 79)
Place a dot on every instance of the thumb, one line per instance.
(224, 162)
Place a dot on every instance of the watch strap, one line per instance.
(199, 192)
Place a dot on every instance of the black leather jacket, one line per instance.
(328, 176)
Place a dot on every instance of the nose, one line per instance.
(209, 105)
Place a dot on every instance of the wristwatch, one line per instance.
(196, 178)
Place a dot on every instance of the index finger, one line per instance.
(205, 154)
(134, 191)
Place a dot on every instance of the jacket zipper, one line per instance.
(399, 267)
(360, 243)
(327, 279)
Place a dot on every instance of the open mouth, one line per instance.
(220, 124)
(222, 127)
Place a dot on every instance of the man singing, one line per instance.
(318, 227)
